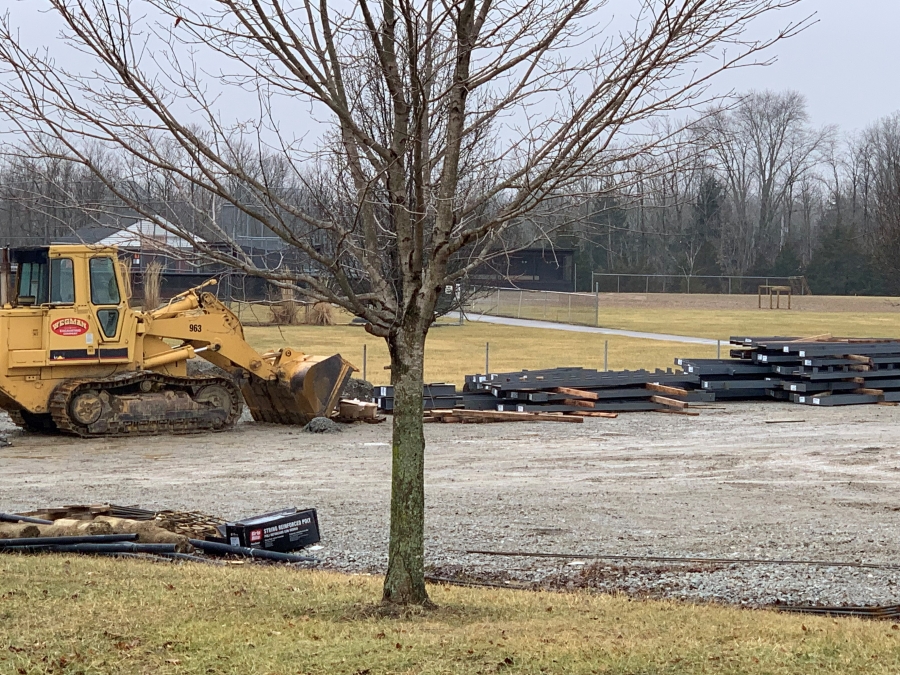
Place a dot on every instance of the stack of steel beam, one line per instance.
(582, 390)
(437, 396)
(820, 371)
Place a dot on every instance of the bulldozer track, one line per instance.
(142, 419)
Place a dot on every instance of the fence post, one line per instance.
(570, 309)
(498, 301)
(597, 309)
(487, 358)
(606, 356)
(519, 315)
(647, 286)
(718, 349)
(618, 284)
(689, 284)
(729, 285)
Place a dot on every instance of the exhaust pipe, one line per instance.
(5, 275)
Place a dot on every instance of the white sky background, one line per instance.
(843, 64)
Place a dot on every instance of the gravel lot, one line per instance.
(822, 485)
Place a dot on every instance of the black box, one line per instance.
(283, 531)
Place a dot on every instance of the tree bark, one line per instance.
(404, 583)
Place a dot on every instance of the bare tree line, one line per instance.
(755, 189)
(749, 189)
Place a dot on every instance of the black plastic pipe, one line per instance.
(16, 518)
(226, 549)
(65, 541)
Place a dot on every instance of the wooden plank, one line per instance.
(888, 403)
(607, 415)
(858, 380)
(673, 411)
(671, 402)
(663, 389)
(577, 403)
(577, 393)
(869, 392)
(861, 359)
(505, 416)
(814, 338)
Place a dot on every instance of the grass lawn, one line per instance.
(455, 351)
(870, 320)
(84, 615)
(721, 324)
(452, 352)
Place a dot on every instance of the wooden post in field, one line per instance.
(519, 315)
(364, 361)
(487, 358)
(606, 356)
(718, 349)
(597, 309)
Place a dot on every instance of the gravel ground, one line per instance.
(820, 485)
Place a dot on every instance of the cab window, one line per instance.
(62, 281)
(33, 282)
(104, 288)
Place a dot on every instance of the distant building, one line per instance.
(532, 269)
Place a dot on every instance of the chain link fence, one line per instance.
(610, 282)
(575, 308)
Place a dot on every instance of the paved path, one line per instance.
(529, 323)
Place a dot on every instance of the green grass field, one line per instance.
(97, 616)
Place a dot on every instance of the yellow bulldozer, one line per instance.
(79, 359)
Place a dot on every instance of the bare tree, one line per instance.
(443, 124)
(764, 146)
(883, 143)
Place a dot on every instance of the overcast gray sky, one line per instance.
(845, 65)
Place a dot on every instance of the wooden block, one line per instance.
(354, 409)
(869, 392)
(578, 403)
(577, 393)
(671, 402)
(663, 389)
(861, 359)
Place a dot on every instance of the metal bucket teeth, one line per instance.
(307, 387)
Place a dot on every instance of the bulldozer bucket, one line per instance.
(307, 387)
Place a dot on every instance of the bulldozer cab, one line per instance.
(68, 305)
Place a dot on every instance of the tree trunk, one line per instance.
(405, 580)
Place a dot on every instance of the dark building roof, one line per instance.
(89, 235)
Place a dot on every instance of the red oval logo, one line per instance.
(70, 326)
